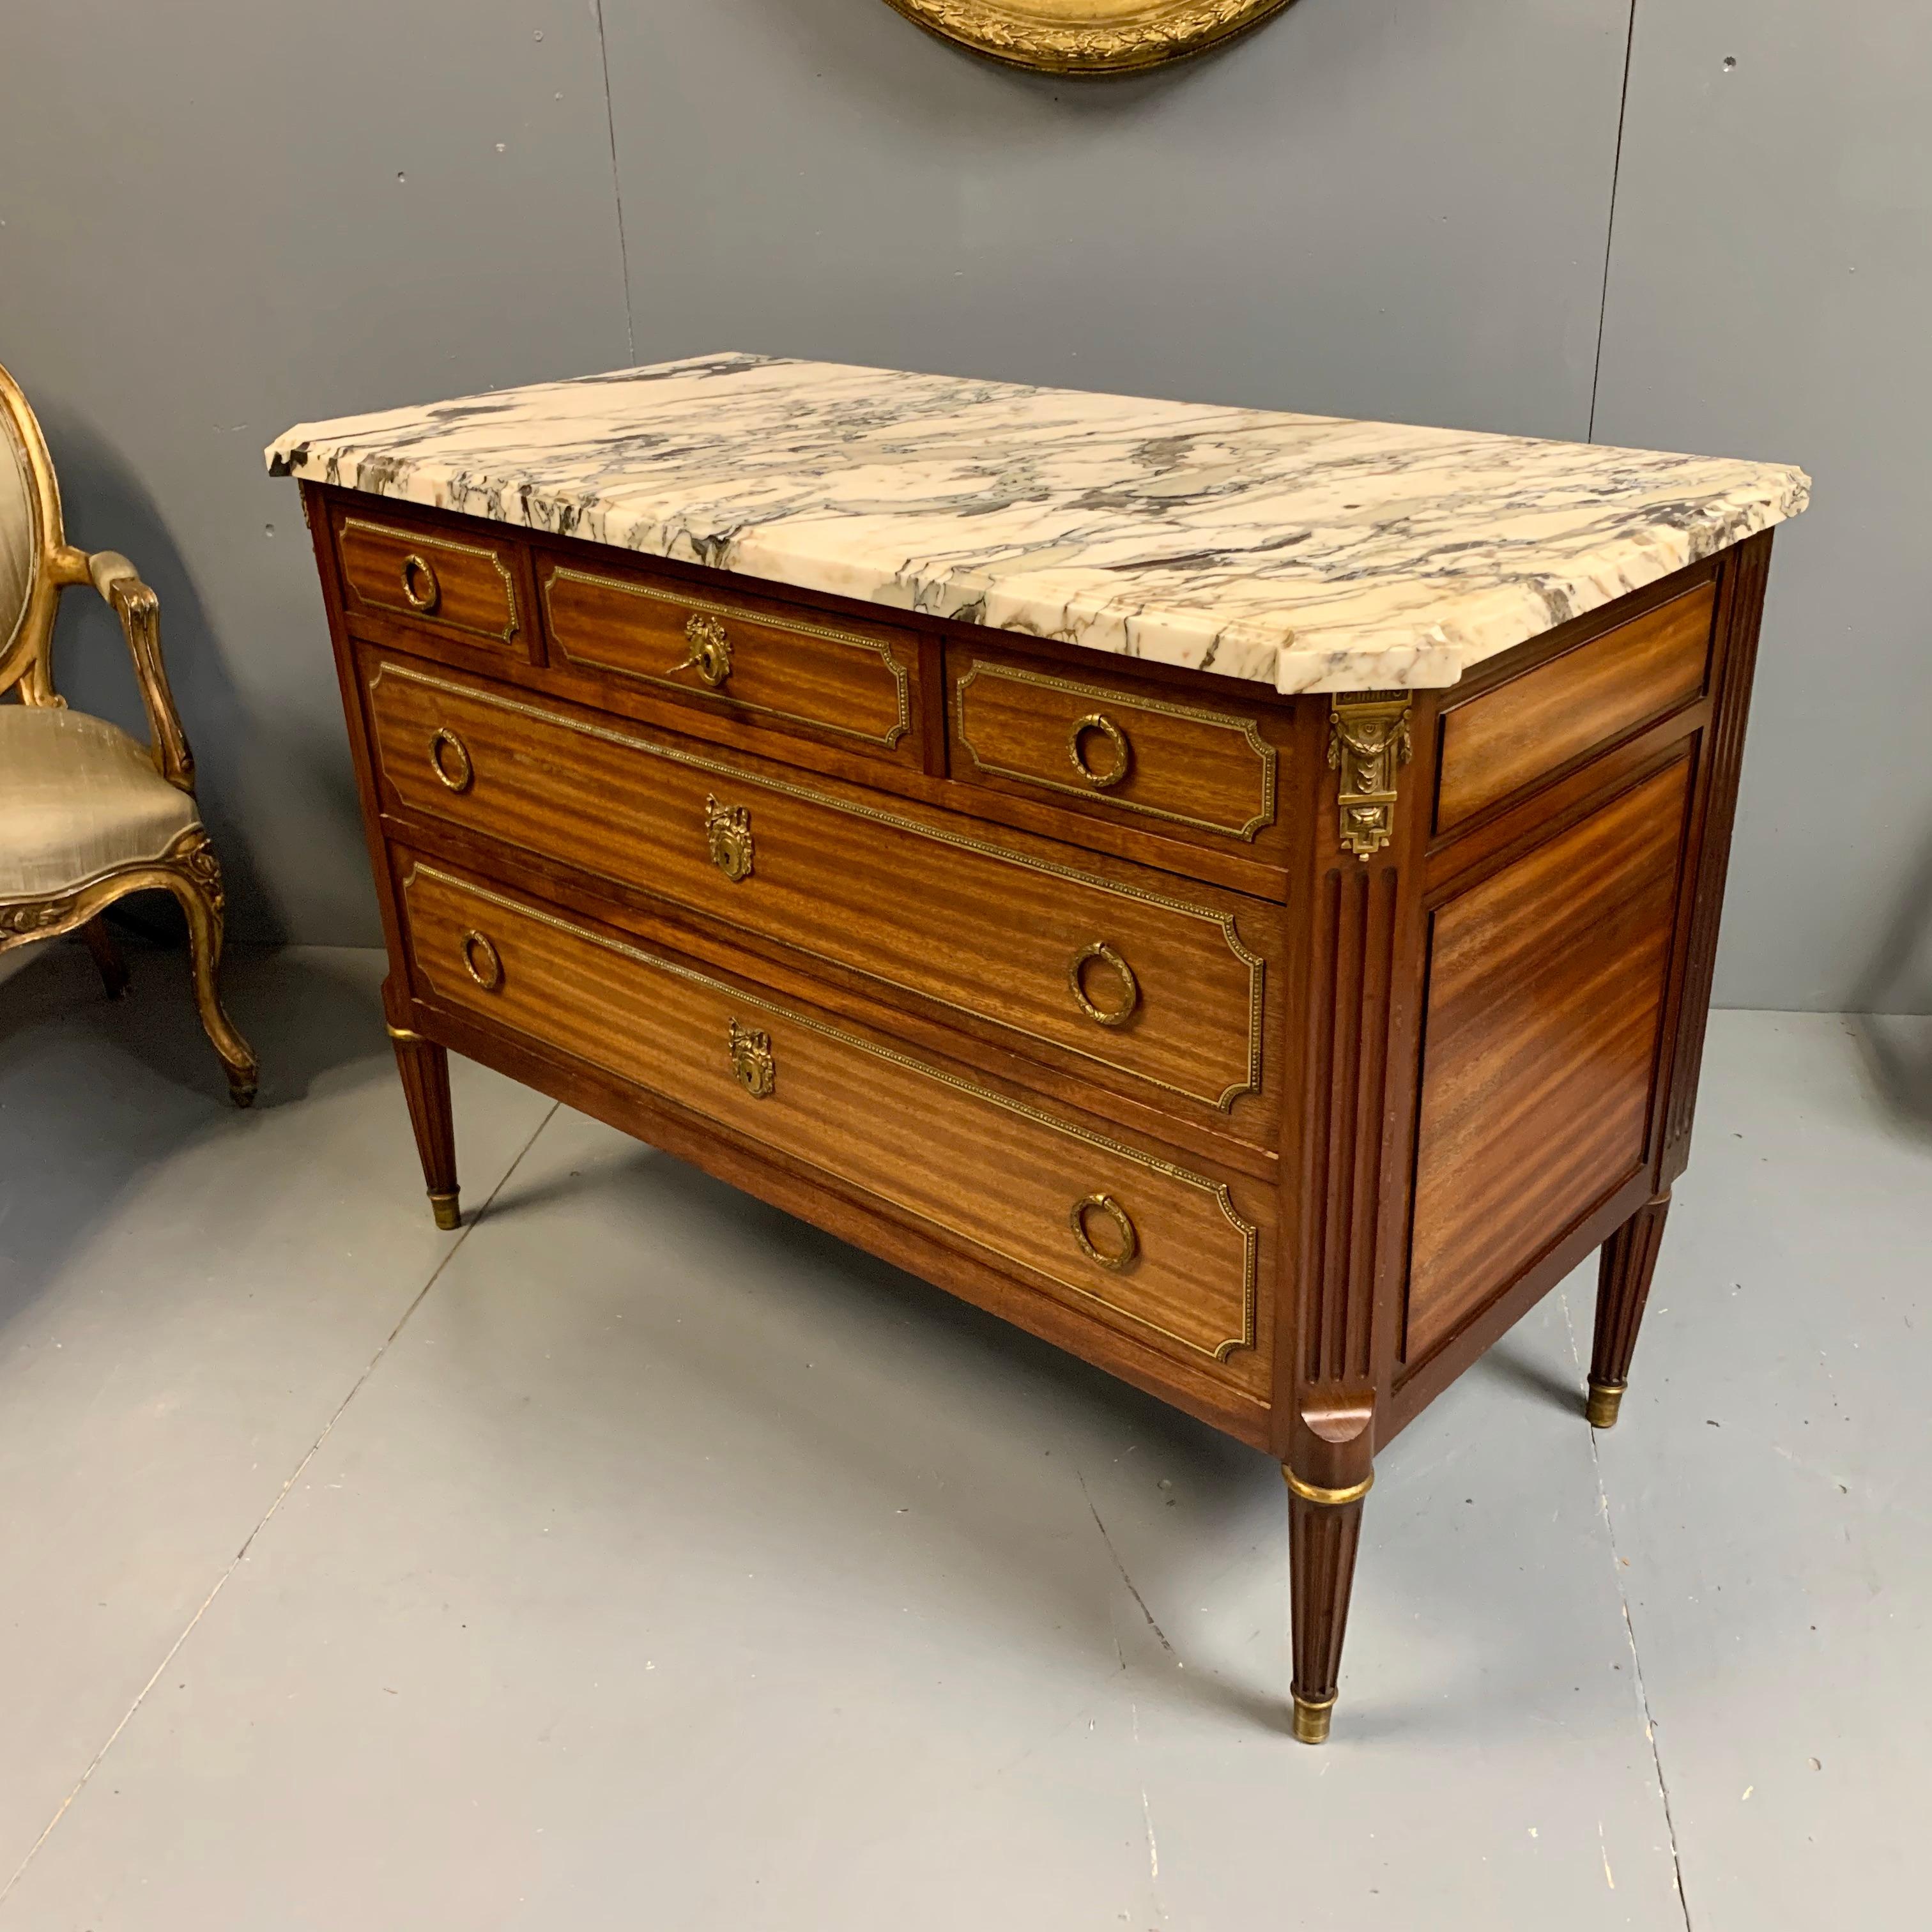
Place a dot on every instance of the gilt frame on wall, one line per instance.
(1088, 36)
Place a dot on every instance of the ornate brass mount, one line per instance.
(751, 1062)
(1112, 773)
(449, 759)
(481, 961)
(420, 590)
(1129, 1239)
(1368, 743)
(1130, 987)
(728, 831)
(710, 653)
(1094, 37)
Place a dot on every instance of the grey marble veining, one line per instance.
(1308, 553)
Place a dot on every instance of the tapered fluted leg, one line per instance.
(1323, 1528)
(1623, 1287)
(107, 960)
(424, 1068)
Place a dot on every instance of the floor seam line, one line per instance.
(1629, 1636)
(281, 1496)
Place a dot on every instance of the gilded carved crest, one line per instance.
(1087, 36)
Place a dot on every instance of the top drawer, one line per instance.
(1189, 770)
(403, 575)
(764, 662)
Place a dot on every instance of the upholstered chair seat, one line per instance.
(79, 799)
(87, 813)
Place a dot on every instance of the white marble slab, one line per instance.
(1308, 553)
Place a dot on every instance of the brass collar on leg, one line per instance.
(1313, 1492)
(1313, 1716)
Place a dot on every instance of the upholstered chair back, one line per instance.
(34, 557)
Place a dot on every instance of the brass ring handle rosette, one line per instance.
(420, 590)
(1099, 777)
(449, 759)
(1130, 987)
(710, 650)
(1128, 1236)
(481, 960)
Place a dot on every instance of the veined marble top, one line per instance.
(1308, 553)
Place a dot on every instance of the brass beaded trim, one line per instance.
(417, 538)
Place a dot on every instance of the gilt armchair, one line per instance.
(87, 814)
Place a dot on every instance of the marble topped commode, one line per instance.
(1307, 553)
(1234, 894)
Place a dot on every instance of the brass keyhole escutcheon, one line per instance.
(421, 591)
(1127, 1242)
(449, 759)
(1122, 1010)
(710, 650)
(751, 1062)
(481, 961)
(727, 831)
(1099, 777)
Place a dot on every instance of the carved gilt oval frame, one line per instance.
(1083, 36)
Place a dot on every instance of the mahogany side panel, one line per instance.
(1506, 739)
(1547, 993)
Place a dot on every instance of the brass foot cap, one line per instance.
(448, 1214)
(242, 1092)
(1606, 1398)
(1311, 1719)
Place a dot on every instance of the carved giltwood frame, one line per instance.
(1088, 36)
(189, 869)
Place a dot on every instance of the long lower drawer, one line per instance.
(1157, 1251)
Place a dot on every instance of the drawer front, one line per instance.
(1159, 1251)
(1181, 768)
(746, 657)
(452, 585)
(1165, 990)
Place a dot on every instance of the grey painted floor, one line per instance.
(638, 1557)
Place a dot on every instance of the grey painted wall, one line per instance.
(223, 218)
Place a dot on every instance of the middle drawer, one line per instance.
(1112, 967)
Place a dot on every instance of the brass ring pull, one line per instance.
(1104, 1204)
(449, 759)
(1130, 987)
(421, 591)
(1114, 735)
(710, 653)
(481, 961)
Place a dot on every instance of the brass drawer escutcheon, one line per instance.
(728, 831)
(1076, 750)
(752, 1065)
(710, 653)
(1130, 987)
(420, 590)
(481, 961)
(1104, 1204)
(449, 759)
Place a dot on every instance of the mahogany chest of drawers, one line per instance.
(1276, 1052)
(769, 884)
